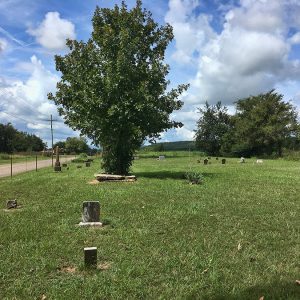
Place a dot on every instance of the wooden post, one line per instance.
(36, 163)
(11, 161)
(51, 120)
(57, 166)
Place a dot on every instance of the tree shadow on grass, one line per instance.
(169, 175)
(275, 290)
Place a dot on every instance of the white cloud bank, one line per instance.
(26, 104)
(3, 45)
(250, 55)
(53, 32)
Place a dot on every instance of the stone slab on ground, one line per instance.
(90, 224)
(115, 178)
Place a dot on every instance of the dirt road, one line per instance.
(28, 166)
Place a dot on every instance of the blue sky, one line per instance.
(226, 50)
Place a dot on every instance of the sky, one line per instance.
(226, 50)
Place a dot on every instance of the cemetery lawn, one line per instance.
(236, 236)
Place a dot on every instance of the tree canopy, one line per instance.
(76, 145)
(13, 140)
(262, 125)
(213, 124)
(114, 87)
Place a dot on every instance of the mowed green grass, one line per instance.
(234, 237)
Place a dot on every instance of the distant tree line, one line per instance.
(170, 146)
(262, 125)
(13, 140)
(74, 145)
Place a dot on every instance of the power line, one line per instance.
(33, 109)
(18, 117)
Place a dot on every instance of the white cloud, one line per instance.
(184, 134)
(249, 55)
(191, 31)
(295, 39)
(3, 45)
(25, 103)
(53, 31)
(258, 15)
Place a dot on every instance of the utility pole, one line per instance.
(51, 121)
(51, 126)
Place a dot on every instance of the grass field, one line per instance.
(236, 236)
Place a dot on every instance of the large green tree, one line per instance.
(114, 88)
(13, 140)
(213, 124)
(76, 145)
(263, 123)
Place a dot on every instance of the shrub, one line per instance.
(194, 177)
(291, 155)
(82, 157)
(4, 156)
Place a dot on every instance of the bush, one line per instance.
(4, 156)
(291, 155)
(82, 157)
(194, 177)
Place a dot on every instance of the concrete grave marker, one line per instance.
(90, 257)
(90, 214)
(87, 164)
(223, 161)
(205, 161)
(242, 160)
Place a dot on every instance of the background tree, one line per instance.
(213, 124)
(113, 88)
(13, 140)
(7, 135)
(76, 145)
(263, 123)
(61, 145)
